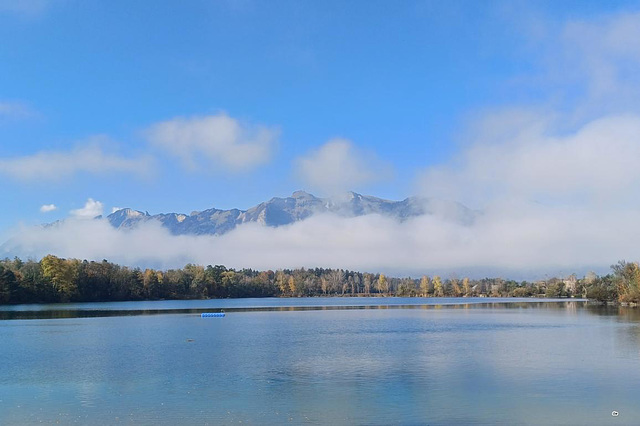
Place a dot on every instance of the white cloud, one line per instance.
(560, 191)
(115, 209)
(219, 139)
(14, 110)
(46, 165)
(46, 208)
(24, 7)
(90, 210)
(607, 52)
(581, 151)
(597, 162)
(558, 186)
(516, 243)
(339, 166)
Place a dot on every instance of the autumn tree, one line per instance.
(383, 284)
(424, 286)
(626, 276)
(230, 280)
(151, 284)
(62, 274)
(466, 288)
(324, 285)
(602, 289)
(457, 291)
(355, 284)
(292, 285)
(407, 288)
(310, 285)
(367, 284)
(335, 280)
(281, 281)
(196, 279)
(555, 288)
(438, 290)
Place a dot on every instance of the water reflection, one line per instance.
(523, 363)
(70, 311)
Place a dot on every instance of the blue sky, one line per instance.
(140, 92)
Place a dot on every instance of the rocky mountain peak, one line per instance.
(299, 206)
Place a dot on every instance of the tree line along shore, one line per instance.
(54, 279)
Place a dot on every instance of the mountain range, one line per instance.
(299, 206)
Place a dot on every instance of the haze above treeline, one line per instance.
(413, 236)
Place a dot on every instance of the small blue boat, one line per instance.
(212, 315)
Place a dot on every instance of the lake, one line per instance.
(335, 361)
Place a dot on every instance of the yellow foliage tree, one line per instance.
(437, 287)
(151, 283)
(466, 288)
(281, 282)
(424, 286)
(292, 285)
(383, 284)
(62, 274)
(627, 279)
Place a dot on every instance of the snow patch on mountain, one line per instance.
(299, 206)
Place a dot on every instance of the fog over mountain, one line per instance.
(299, 206)
(412, 237)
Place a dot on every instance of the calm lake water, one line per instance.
(321, 361)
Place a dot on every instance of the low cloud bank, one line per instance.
(515, 241)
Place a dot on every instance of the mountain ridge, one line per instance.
(299, 206)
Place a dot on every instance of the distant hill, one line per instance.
(299, 206)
